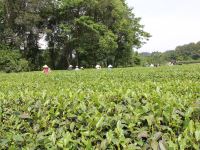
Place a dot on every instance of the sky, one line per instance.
(170, 22)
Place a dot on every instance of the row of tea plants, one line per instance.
(130, 108)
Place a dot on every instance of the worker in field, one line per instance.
(110, 66)
(77, 68)
(46, 69)
(70, 67)
(152, 65)
(98, 67)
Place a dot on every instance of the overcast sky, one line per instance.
(170, 22)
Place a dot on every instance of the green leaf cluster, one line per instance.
(131, 108)
(77, 32)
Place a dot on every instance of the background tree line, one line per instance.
(188, 53)
(77, 32)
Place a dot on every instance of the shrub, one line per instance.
(12, 61)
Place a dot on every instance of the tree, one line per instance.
(188, 51)
(22, 24)
(102, 31)
(78, 32)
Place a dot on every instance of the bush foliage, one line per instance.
(12, 61)
(132, 108)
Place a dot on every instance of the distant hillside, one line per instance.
(188, 53)
(145, 54)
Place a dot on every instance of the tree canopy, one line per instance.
(78, 32)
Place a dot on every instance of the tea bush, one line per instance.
(131, 108)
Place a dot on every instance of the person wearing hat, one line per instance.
(70, 67)
(110, 66)
(46, 69)
(77, 68)
(98, 66)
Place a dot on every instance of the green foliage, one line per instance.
(132, 108)
(12, 61)
(136, 60)
(188, 51)
(78, 32)
(156, 58)
(187, 54)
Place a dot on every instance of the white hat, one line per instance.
(110, 66)
(45, 66)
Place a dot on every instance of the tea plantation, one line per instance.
(130, 108)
